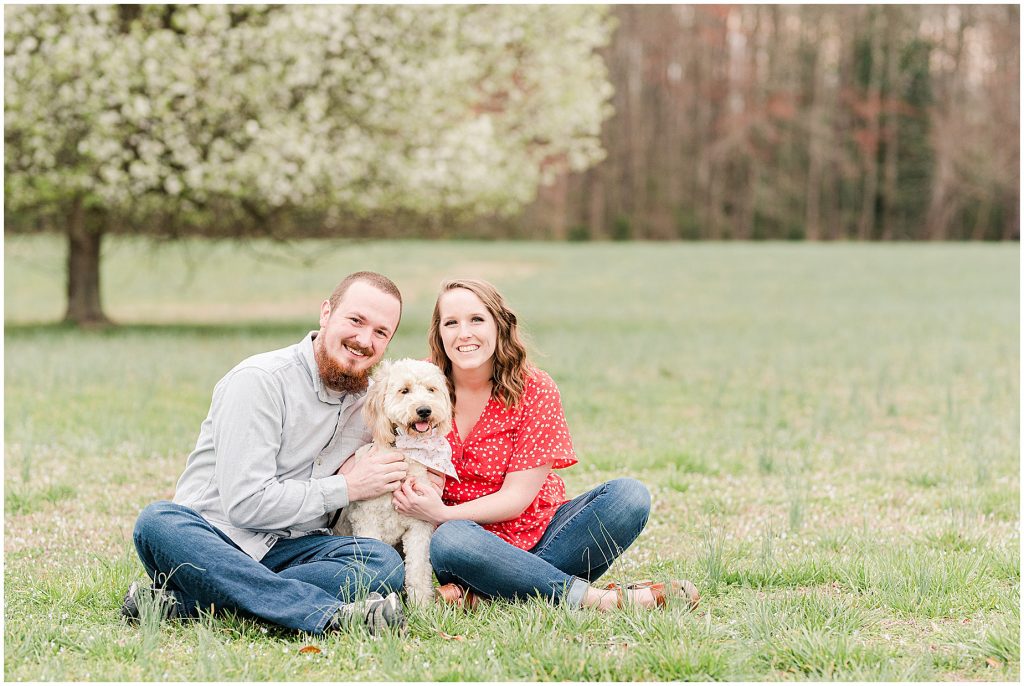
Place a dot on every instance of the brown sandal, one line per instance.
(453, 594)
(662, 592)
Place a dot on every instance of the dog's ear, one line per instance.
(445, 427)
(373, 410)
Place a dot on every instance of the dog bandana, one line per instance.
(433, 451)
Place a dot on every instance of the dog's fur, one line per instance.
(388, 409)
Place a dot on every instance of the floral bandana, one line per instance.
(433, 451)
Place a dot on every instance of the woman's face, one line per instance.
(468, 330)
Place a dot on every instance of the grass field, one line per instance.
(830, 434)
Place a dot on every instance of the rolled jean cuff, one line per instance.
(326, 623)
(575, 593)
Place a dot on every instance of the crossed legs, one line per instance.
(586, 535)
(299, 584)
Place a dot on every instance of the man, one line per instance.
(249, 526)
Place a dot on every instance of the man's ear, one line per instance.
(325, 313)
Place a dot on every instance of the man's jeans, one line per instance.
(299, 584)
(586, 535)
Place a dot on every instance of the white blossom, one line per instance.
(358, 108)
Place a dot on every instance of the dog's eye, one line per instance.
(404, 391)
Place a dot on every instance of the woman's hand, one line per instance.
(421, 501)
(437, 480)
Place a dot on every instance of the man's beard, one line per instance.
(336, 377)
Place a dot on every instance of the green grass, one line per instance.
(830, 434)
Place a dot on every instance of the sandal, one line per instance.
(662, 592)
(453, 594)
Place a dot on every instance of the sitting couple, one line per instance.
(248, 529)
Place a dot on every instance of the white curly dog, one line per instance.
(407, 408)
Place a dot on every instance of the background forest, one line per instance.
(869, 122)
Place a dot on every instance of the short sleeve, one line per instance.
(542, 435)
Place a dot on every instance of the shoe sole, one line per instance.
(386, 614)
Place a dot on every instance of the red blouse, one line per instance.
(531, 434)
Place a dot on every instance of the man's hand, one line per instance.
(373, 474)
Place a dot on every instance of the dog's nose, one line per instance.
(423, 412)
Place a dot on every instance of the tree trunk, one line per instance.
(982, 219)
(1011, 223)
(890, 183)
(944, 201)
(816, 124)
(595, 198)
(559, 194)
(636, 186)
(754, 109)
(84, 307)
(866, 227)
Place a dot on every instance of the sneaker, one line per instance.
(376, 612)
(148, 596)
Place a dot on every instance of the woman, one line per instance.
(506, 529)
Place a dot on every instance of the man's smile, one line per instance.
(356, 351)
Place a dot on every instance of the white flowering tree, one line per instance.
(173, 118)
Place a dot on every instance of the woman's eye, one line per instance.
(478, 319)
(449, 323)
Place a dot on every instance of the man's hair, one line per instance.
(510, 366)
(378, 281)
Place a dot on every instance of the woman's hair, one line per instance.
(510, 366)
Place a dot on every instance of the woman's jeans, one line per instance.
(300, 583)
(586, 535)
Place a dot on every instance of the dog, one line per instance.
(408, 408)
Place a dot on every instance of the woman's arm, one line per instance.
(518, 490)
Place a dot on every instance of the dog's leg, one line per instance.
(416, 542)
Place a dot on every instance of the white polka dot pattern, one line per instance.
(532, 434)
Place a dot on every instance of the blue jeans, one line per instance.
(586, 535)
(300, 583)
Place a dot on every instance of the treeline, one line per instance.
(881, 122)
(793, 122)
